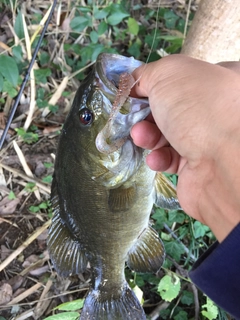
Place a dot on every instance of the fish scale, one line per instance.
(102, 202)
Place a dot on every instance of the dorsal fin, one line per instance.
(165, 193)
(147, 254)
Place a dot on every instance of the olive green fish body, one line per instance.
(102, 202)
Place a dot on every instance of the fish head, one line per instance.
(90, 113)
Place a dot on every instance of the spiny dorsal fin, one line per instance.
(66, 253)
(148, 254)
(121, 199)
(165, 195)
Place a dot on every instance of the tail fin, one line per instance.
(126, 307)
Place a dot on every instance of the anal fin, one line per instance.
(65, 252)
(165, 193)
(148, 254)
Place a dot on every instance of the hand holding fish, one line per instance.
(194, 131)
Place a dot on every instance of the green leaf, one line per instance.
(44, 58)
(133, 26)
(169, 287)
(97, 48)
(102, 27)
(17, 52)
(170, 19)
(134, 50)
(8, 87)
(116, 18)
(160, 216)
(9, 69)
(176, 216)
(199, 229)
(187, 297)
(182, 315)
(18, 26)
(84, 9)
(100, 14)
(164, 314)
(11, 195)
(174, 249)
(64, 316)
(34, 209)
(1, 82)
(212, 310)
(79, 23)
(94, 36)
(28, 137)
(43, 205)
(42, 74)
(53, 108)
(30, 186)
(118, 13)
(48, 164)
(71, 306)
(47, 179)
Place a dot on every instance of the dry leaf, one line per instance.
(8, 206)
(39, 271)
(30, 260)
(5, 293)
(16, 282)
(5, 252)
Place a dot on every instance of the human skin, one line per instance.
(194, 131)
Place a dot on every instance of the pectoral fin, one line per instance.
(148, 254)
(165, 195)
(66, 253)
(121, 199)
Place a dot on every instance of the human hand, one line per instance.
(194, 131)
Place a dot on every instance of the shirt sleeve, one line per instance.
(217, 273)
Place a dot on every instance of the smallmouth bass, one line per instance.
(102, 200)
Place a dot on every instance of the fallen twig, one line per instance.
(43, 304)
(26, 178)
(24, 245)
(25, 294)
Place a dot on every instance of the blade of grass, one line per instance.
(26, 77)
(32, 78)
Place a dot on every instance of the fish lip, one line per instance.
(108, 68)
(110, 65)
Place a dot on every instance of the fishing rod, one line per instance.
(15, 105)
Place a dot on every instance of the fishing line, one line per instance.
(153, 42)
(14, 108)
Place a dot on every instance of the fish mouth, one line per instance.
(126, 110)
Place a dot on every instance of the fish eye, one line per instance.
(85, 116)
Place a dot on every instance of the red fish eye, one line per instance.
(85, 116)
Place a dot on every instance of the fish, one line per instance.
(102, 198)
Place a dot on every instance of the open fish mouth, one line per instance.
(116, 81)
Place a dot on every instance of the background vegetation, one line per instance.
(78, 32)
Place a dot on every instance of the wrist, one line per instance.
(221, 205)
